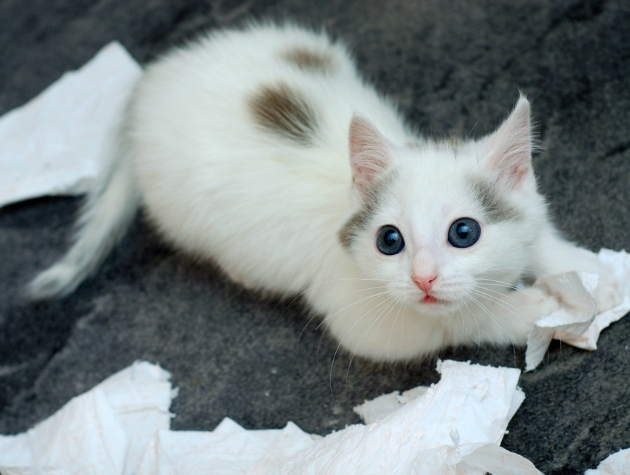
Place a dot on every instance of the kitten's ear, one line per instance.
(370, 155)
(508, 151)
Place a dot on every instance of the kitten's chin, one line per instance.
(433, 306)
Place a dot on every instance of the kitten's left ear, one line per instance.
(370, 154)
(508, 151)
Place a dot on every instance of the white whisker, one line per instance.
(346, 334)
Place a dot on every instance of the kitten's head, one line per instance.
(444, 223)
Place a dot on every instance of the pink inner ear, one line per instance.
(369, 153)
(510, 147)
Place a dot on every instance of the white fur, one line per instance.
(269, 211)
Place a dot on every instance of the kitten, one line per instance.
(265, 151)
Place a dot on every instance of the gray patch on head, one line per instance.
(452, 143)
(284, 111)
(496, 208)
(415, 144)
(360, 220)
(309, 60)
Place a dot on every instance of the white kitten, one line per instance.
(264, 151)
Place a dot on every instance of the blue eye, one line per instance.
(389, 240)
(464, 232)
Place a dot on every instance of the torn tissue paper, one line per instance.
(121, 427)
(54, 144)
(576, 322)
(616, 464)
(379, 408)
(104, 431)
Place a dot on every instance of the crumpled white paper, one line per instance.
(55, 144)
(576, 322)
(454, 427)
(104, 431)
(615, 464)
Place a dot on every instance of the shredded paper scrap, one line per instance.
(576, 322)
(56, 143)
(121, 427)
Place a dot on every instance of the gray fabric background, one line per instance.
(454, 66)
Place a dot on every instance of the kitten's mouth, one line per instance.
(433, 306)
(431, 303)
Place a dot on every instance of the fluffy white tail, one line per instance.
(104, 219)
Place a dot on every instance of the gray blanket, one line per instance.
(455, 67)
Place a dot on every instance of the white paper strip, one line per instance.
(55, 144)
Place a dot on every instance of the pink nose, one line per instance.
(424, 283)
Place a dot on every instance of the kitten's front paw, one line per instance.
(608, 293)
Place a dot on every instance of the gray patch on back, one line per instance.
(309, 60)
(359, 221)
(496, 208)
(285, 112)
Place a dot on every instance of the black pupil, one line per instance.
(389, 240)
(464, 232)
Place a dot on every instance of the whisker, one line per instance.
(492, 316)
(369, 297)
(347, 279)
(390, 336)
(341, 340)
(500, 294)
(478, 327)
(378, 317)
(338, 298)
(499, 302)
(472, 315)
(498, 283)
(484, 308)
(328, 317)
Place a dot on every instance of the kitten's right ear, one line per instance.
(370, 154)
(508, 150)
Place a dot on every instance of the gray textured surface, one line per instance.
(454, 66)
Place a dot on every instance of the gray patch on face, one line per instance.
(495, 207)
(307, 60)
(359, 221)
(285, 112)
